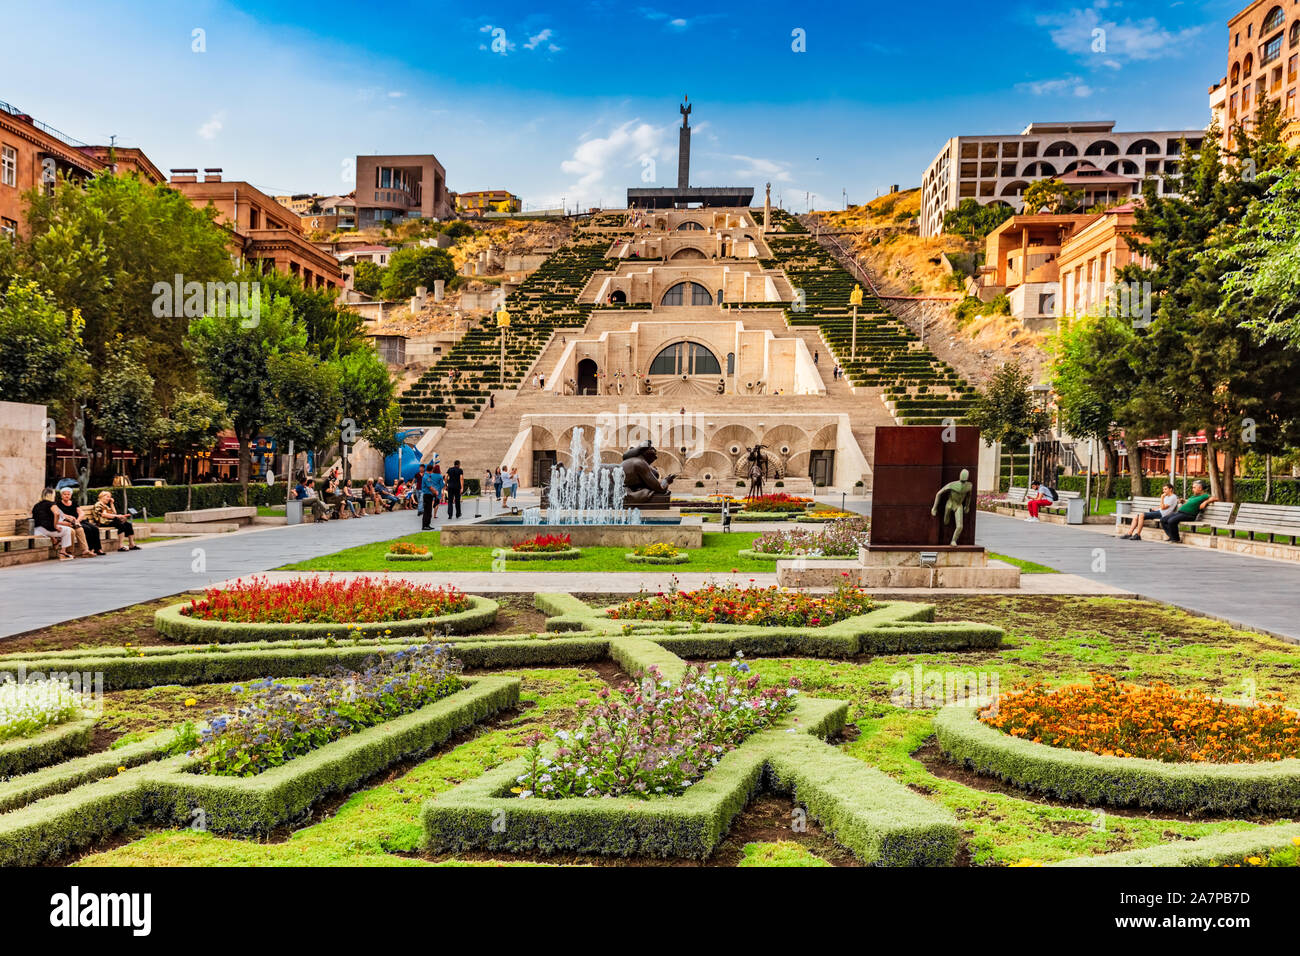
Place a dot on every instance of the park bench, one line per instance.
(235, 514)
(17, 544)
(1272, 520)
(1015, 497)
(1139, 504)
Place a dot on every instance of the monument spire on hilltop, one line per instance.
(684, 145)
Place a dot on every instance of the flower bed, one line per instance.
(325, 601)
(827, 517)
(841, 540)
(656, 739)
(323, 608)
(1157, 722)
(30, 707)
(764, 607)
(774, 502)
(543, 543)
(658, 553)
(283, 721)
(407, 551)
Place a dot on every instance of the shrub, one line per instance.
(543, 543)
(1157, 723)
(29, 707)
(325, 601)
(765, 607)
(656, 739)
(284, 721)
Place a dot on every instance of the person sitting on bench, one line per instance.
(1189, 510)
(84, 533)
(305, 491)
(389, 499)
(1168, 505)
(105, 514)
(46, 524)
(1039, 496)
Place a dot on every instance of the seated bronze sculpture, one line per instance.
(641, 480)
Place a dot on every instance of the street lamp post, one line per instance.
(503, 323)
(855, 300)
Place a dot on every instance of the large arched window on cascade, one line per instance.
(689, 225)
(677, 295)
(685, 358)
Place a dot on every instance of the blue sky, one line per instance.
(577, 99)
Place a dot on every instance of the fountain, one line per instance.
(588, 501)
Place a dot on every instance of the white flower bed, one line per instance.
(32, 706)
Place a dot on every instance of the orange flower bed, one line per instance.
(1157, 722)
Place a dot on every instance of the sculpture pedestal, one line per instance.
(893, 556)
(882, 568)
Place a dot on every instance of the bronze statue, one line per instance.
(757, 471)
(641, 480)
(959, 502)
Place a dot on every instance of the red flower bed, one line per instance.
(776, 502)
(326, 601)
(762, 606)
(544, 542)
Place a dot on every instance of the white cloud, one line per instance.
(1090, 32)
(212, 127)
(395, 94)
(535, 41)
(501, 44)
(757, 168)
(1061, 86)
(679, 23)
(606, 165)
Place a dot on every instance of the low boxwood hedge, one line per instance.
(167, 790)
(173, 623)
(882, 822)
(1242, 789)
(398, 556)
(24, 754)
(1216, 850)
(656, 559)
(62, 777)
(510, 555)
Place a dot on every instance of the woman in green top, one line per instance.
(1189, 510)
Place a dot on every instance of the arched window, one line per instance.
(1236, 67)
(688, 225)
(1061, 148)
(1247, 66)
(677, 295)
(1273, 21)
(1040, 168)
(1103, 147)
(1295, 33)
(1016, 188)
(1125, 167)
(685, 358)
(1144, 147)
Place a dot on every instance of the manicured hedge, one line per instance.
(1286, 491)
(509, 555)
(882, 822)
(24, 754)
(391, 556)
(632, 558)
(173, 623)
(62, 777)
(1216, 850)
(283, 794)
(1244, 789)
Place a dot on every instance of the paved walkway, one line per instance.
(38, 595)
(1247, 592)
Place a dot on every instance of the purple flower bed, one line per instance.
(656, 739)
(283, 721)
(839, 539)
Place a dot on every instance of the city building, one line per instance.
(1051, 266)
(301, 203)
(33, 155)
(261, 229)
(998, 169)
(1263, 65)
(376, 254)
(391, 189)
(478, 202)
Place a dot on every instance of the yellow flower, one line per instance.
(190, 701)
(1026, 862)
(1254, 860)
(516, 789)
(1295, 841)
(121, 770)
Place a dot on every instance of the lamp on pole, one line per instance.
(855, 300)
(503, 323)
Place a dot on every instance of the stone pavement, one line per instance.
(38, 595)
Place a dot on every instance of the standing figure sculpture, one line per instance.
(757, 471)
(959, 502)
(641, 480)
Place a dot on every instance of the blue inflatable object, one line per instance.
(404, 462)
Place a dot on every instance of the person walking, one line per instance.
(433, 485)
(455, 487)
(497, 483)
(417, 493)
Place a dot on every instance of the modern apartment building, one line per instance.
(394, 188)
(1263, 65)
(261, 229)
(34, 155)
(990, 169)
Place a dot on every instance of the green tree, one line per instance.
(367, 277)
(190, 426)
(127, 413)
(1051, 196)
(1201, 369)
(381, 433)
(42, 360)
(304, 400)
(1262, 286)
(416, 266)
(333, 330)
(365, 391)
(233, 362)
(1004, 411)
(974, 221)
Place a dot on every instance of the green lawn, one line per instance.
(1026, 567)
(717, 554)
